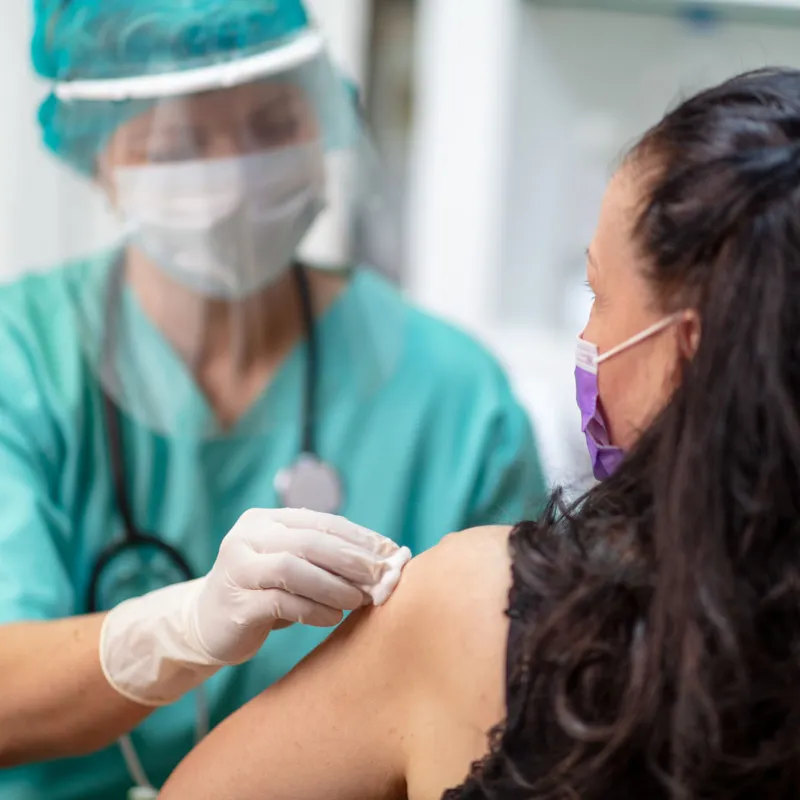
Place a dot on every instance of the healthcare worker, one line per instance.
(155, 390)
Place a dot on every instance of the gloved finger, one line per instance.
(335, 555)
(334, 525)
(277, 604)
(292, 574)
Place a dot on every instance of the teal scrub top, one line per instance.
(442, 446)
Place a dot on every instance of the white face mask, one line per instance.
(224, 227)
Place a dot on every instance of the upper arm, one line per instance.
(34, 581)
(402, 694)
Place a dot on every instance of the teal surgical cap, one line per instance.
(80, 40)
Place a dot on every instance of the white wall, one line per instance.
(504, 208)
(583, 93)
(43, 208)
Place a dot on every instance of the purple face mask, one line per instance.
(605, 456)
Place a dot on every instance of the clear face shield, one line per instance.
(234, 190)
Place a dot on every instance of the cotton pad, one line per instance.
(381, 591)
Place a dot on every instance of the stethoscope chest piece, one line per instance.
(142, 793)
(310, 483)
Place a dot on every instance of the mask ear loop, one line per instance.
(640, 337)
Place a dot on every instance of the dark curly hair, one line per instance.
(657, 652)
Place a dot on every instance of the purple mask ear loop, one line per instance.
(640, 337)
(605, 456)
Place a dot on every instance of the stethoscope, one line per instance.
(308, 483)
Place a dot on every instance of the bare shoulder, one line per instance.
(464, 573)
(448, 615)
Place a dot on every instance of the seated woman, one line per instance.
(652, 649)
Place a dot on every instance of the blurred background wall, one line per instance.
(498, 122)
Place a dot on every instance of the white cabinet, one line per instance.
(758, 11)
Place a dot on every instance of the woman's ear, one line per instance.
(689, 330)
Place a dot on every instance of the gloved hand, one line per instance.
(274, 567)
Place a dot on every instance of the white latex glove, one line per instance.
(275, 566)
